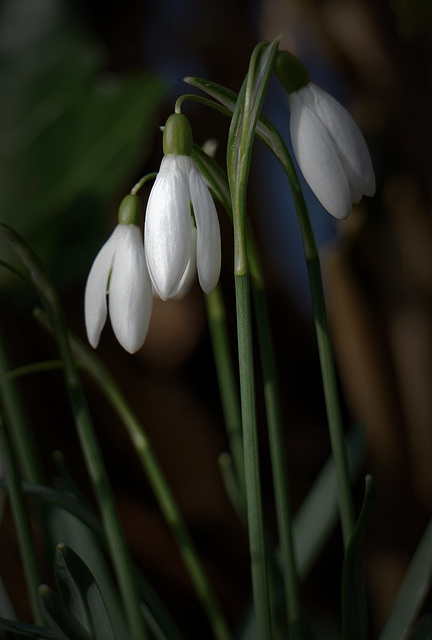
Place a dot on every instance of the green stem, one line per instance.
(328, 371)
(22, 522)
(279, 468)
(216, 315)
(251, 459)
(173, 516)
(116, 541)
(30, 369)
(141, 182)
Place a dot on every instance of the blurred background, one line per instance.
(85, 86)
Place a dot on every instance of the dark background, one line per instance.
(85, 87)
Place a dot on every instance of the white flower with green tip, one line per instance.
(119, 279)
(181, 233)
(328, 145)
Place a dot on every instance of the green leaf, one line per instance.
(264, 128)
(247, 110)
(81, 594)
(27, 630)
(72, 133)
(59, 618)
(6, 608)
(214, 177)
(424, 628)
(413, 592)
(318, 514)
(354, 607)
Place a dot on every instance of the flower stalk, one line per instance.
(119, 552)
(241, 135)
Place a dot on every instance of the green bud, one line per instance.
(291, 72)
(130, 210)
(177, 136)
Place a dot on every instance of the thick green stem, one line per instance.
(279, 469)
(251, 459)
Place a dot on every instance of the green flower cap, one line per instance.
(291, 72)
(130, 210)
(177, 136)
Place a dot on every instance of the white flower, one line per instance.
(330, 150)
(119, 270)
(181, 231)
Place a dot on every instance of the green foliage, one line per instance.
(412, 594)
(71, 133)
(81, 594)
(354, 607)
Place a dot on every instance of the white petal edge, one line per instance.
(318, 159)
(130, 292)
(167, 228)
(95, 302)
(208, 233)
(348, 140)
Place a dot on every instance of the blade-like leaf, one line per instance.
(354, 608)
(412, 594)
(246, 113)
(59, 618)
(27, 630)
(424, 628)
(80, 593)
(6, 608)
(264, 128)
(317, 516)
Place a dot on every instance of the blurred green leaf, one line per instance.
(413, 592)
(317, 516)
(71, 134)
(81, 594)
(6, 608)
(59, 618)
(26, 630)
(424, 628)
(354, 607)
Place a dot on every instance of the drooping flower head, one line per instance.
(328, 145)
(119, 271)
(181, 234)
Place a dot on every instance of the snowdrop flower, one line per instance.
(328, 145)
(120, 271)
(181, 234)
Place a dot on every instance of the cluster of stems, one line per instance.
(242, 466)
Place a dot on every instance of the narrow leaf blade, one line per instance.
(65, 625)
(412, 594)
(81, 594)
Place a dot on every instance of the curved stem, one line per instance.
(117, 544)
(173, 516)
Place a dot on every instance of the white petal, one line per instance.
(189, 275)
(167, 228)
(130, 293)
(348, 140)
(95, 302)
(318, 159)
(208, 233)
